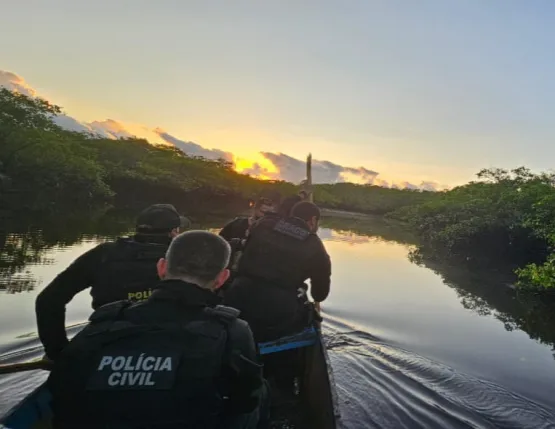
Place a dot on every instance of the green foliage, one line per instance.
(44, 167)
(367, 198)
(504, 216)
(49, 168)
(45, 164)
(507, 215)
(21, 112)
(537, 276)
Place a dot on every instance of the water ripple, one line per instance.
(383, 386)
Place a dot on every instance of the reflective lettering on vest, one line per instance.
(135, 371)
(294, 231)
(139, 295)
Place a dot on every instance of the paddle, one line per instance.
(26, 366)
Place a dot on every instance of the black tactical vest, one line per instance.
(117, 374)
(128, 272)
(277, 252)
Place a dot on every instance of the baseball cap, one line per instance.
(269, 198)
(160, 218)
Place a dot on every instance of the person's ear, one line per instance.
(161, 267)
(221, 279)
(174, 232)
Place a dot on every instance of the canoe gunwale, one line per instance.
(33, 411)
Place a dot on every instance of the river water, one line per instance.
(412, 346)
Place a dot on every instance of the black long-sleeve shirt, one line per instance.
(50, 306)
(280, 258)
(84, 272)
(237, 228)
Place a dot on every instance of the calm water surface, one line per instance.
(411, 346)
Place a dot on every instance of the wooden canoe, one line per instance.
(316, 401)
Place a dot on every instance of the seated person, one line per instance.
(122, 269)
(304, 195)
(279, 255)
(175, 360)
(287, 205)
(237, 244)
(238, 227)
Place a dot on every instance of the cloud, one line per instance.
(72, 124)
(16, 83)
(110, 128)
(116, 130)
(119, 130)
(294, 170)
(267, 165)
(193, 149)
(432, 186)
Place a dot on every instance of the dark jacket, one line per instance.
(285, 253)
(280, 254)
(237, 228)
(124, 269)
(206, 370)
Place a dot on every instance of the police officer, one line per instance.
(237, 228)
(175, 360)
(124, 269)
(279, 255)
(304, 195)
(287, 205)
(269, 209)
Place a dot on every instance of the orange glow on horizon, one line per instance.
(257, 166)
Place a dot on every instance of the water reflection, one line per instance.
(376, 289)
(391, 321)
(25, 243)
(486, 293)
(491, 293)
(371, 228)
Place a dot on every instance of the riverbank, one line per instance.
(344, 214)
(506, 217)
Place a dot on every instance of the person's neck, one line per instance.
(142, 237)
(187, 280)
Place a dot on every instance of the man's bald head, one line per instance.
(198, 257)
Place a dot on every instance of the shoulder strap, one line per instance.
(223, 313)
(112, 247)
(111, 311)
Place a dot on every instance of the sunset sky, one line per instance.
(415, 90)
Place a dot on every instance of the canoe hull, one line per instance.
(320, 393)
(32, 413)
(318, 398)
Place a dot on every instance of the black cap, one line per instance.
(269, 197)
(160, 218)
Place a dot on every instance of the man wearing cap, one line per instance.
(280, 254)
(173, 361)
(237, 230)
(238, 227)
(123, 269)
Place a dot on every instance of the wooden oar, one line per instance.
(26, 366)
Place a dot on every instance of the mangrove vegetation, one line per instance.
(503, 217)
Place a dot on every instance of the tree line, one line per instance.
(502, 216)
(44, 167)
